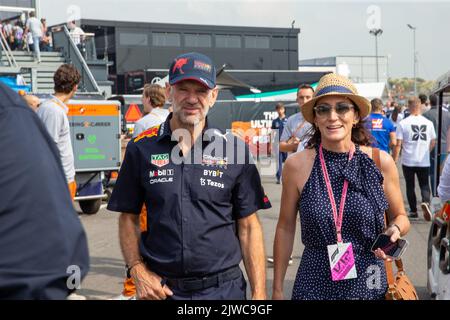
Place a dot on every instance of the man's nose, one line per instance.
(192, 97)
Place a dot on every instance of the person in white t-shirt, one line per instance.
(416, 138)
(35, 29)
(153, 99)
(76, 33)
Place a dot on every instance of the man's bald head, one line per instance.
(32, 101)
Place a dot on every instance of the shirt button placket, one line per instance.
(185, 210)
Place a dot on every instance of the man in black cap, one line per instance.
(43, 247)
(201, 190)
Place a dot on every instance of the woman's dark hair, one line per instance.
(360, 134)
(395, 113)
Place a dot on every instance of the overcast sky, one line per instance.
(328, 28)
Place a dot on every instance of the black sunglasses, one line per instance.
(341, 108)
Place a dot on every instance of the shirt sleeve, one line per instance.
(248, 194)
(128, 193)
(287, 133)
(52, 121)
(274, 124)
(444, 183)
(432, 131)
(391, 127)
(399, 132)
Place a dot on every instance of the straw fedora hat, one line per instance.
(335, 85)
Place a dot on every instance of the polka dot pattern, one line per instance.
(363, 221)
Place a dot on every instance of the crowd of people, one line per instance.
(189, 209)
(409, 131)
(31, 35)
(34, 35)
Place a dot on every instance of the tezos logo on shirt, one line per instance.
(160, 160)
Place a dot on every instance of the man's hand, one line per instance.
(148, 284)
(294, 141)
(290, 145)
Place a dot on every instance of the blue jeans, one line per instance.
(36, 49)
(282, 156)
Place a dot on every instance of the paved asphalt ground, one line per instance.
(105, 278)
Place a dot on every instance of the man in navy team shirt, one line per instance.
(382, 129)
(278, 124)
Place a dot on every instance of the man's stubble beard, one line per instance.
(188, 121)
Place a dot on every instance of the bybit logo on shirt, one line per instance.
(213, 173)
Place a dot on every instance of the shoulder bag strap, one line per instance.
(300, 126)
(387, 264)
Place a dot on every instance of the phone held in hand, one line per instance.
(391, 249)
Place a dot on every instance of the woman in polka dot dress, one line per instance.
(341, 202)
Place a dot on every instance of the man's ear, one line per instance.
(214, 95)
(168, 91)
(74, 90)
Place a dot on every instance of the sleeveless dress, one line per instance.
(363, 221)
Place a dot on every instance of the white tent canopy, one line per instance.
(373, 90)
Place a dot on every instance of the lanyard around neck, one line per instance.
(337, 217)
(59, 103)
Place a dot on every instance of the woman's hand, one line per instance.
(394, 233)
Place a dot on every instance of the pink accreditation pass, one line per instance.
(342, 261)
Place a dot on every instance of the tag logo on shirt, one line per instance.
(160, 160)
(377, 123)
(419, 133)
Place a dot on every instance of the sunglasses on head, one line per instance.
(341, 108)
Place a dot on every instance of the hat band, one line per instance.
(337, 89)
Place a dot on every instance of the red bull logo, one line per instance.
(179, 64)
(152, 132)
